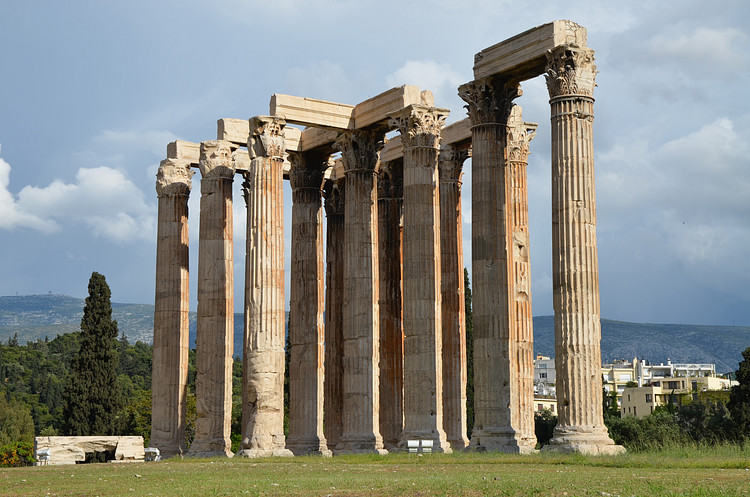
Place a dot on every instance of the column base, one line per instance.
(458, 444)
(167, 451)
(501, 440)
(360, 445)
(439, 444)
(210, 448)
(264, 446)
(308, 447)
(579, 440)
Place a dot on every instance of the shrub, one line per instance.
(544, 426)
(17, 454)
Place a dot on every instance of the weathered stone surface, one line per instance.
(523, 56)
(306, 333)
(215, 327)
(361, 429)
(423, 374)
(263, 358)
(69, 450)
(171, 309)
(575, 281)
(453, 311)
(390, 202)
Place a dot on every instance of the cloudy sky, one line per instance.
(91, 92)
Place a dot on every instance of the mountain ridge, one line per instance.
(38, 316)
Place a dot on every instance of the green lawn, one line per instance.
(719, 472)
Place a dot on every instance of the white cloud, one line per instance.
(101, 198)
(12, 214)
(437, 77)
(710, 48)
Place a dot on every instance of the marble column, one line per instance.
(334, 318)
(306, 332)
(420, 128)
(570, 76)
(390, 202)
(263, 358)
(453, 311)
(519, 135)
(171, 309)
(215, 333)
(496, 388)
(360, 152)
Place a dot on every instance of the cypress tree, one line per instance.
(739, 398)
(93, 398)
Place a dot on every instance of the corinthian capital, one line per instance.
(307, 169)
(420, 126)
(334, 198)
(489, 100)
(451, 162)
(266, 138)
(570, 71)
(520, 135)
(216, 159)
(360, 149)
(174, 178)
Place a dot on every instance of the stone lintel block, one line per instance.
(184, 150)
(312, 138)
(234, 131)
(523, 56)
(312, 112)
(392, 150)
(375, 110)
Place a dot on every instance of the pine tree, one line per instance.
(739, 398)
(469, 356)
(92, 397)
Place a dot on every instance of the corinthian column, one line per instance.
(360, 152)
(171, 308)
(420, 128)
(496, 386)
(453, 311)
(580, 428)
(390, 202)
(306, 334)
(215, 333)
(263, 358)
(334, 320)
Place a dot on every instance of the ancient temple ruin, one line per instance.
(377, 330)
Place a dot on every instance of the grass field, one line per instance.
(695, 472)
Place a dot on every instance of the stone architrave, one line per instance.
(496, 390)
(334, 302)
(263, 359)
(306, 332)
(171, 309)
(570, 76)
(390, 202)
(215, 332)
(361, 429)
(420, 128)
(519, 135)
(453, 310)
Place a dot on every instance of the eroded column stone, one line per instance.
(171, 309)
(453, 309)
(390, 202)
(306, 332)
(496, 385)
(334, 317)
(263, 359)
(420, 128)
(361, 430)
(215, 333)
(580, 428)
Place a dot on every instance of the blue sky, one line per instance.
(92, 91)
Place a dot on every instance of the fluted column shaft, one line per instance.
(580, 428)
(453, 309)
(306, 332)
(334, 319)
(263, 359)
(420, 128)
(361, 430)
(215, 331)
(171, 309)
(390, 202)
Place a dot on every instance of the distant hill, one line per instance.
(47, 315)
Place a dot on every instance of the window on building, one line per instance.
(635, 413)
(540, 407)
(655, 383)
(673, 385)
(543, 366)
(542, 375)
(695, 385)
(628, 397)
(648, 398)
(652, 409)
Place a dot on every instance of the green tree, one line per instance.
(739, 398)
(469, 356)
(16, 424)
(92, 397)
